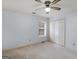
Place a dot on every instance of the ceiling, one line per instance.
(28, 6)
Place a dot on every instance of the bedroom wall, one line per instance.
(19, 29)
(71, 30)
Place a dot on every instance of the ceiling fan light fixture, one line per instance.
(47, 9)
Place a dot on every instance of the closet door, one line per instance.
(61, 32)
(57, 32)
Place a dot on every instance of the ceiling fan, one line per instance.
(48, 5)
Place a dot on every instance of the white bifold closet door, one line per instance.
(57, 32)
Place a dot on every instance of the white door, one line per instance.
(61, 33)
(57, 32)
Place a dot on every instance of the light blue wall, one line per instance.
(71, 30)
(19, 29)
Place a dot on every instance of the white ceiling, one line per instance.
(28, 6)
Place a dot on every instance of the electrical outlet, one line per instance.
(29, 40)
(73, 44)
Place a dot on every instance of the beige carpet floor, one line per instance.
(45, 50)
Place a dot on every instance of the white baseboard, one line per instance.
(22, 45)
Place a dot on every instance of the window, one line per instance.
(42, 29)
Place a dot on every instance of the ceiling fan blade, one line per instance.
(39, 8)
(38, 1)
(56, 8)
(55, 1)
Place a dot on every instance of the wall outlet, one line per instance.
(29, 40)
(73, 44)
